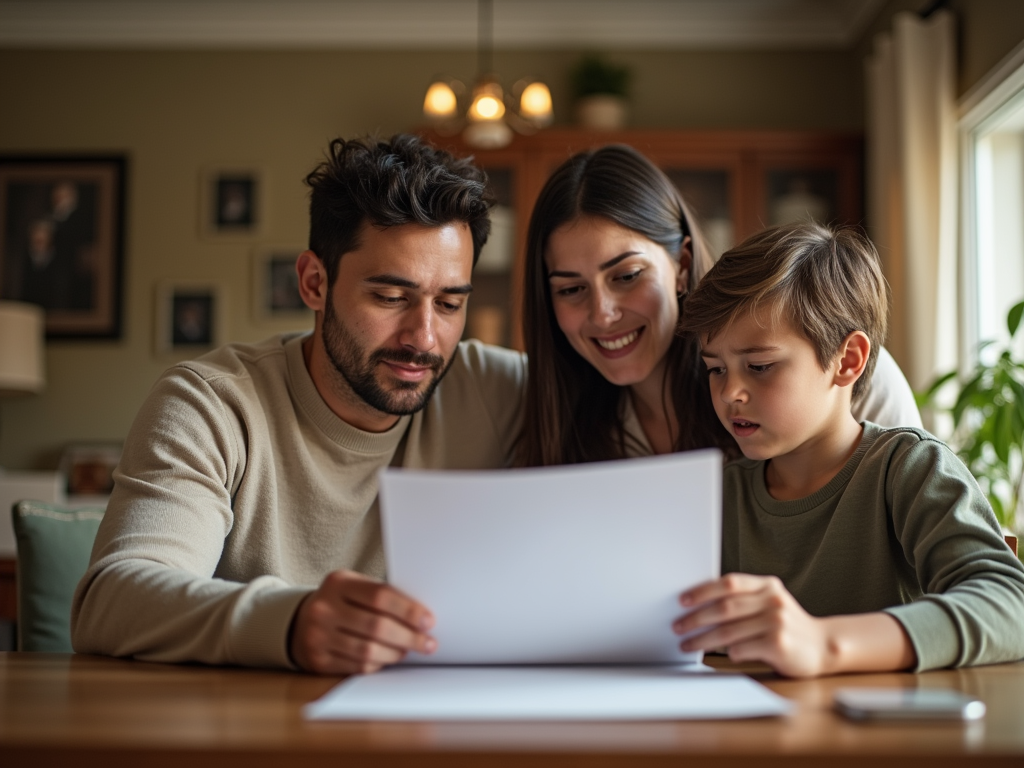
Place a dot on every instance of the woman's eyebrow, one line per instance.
(606, 265)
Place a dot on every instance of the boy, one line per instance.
(873, 549)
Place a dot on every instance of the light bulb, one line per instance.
(488, 108)
(440, 101)
(535, 104)
(488, 102)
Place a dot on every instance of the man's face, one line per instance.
(395, 314)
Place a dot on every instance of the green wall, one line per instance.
(176, 113)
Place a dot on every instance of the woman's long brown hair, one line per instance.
(573, 414)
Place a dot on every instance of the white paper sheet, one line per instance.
(547, 693)
(580, 564)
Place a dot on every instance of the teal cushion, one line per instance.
(54, 545)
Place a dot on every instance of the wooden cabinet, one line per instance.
(736, 182)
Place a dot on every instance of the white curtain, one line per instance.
(912, 187)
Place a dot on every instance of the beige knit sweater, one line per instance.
(239, 490)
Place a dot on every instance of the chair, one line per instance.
(1011, 542)
(54, 545)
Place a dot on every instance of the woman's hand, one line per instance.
(756, 619)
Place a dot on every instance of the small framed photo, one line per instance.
(276, 286)
(190, 316)
(89, 468)
(232, 202)
(61, 240)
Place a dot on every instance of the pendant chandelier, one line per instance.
(492, 114)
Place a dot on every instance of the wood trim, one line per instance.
(8, 589)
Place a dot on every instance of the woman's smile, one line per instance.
(620, 345)
(614, 294)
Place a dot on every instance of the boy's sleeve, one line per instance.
(973, 608)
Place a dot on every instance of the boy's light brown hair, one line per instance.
(825, 282)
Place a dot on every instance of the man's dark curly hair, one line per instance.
(389, 183)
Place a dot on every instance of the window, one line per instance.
(992, 152)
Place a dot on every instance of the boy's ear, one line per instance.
(312, 280)
(853, 357)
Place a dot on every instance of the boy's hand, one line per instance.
(756, 619)
(354, 625)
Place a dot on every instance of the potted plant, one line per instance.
(600, 89)
(988, 423)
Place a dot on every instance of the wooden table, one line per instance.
(89, 711)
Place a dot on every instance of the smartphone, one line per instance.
(907, 704)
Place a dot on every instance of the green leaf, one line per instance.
(997, 507)
(1013, 318)
(964, 399)
(972, 453)
(998, 438)
(1003, 436)
(926, 396)
(986, 430)
(1018, 396)
(1016, 425)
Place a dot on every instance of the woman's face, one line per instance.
(615, 296)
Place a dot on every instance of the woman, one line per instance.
(612, 251)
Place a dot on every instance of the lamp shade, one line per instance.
(21, 348)
(535, 104)
(440, 101)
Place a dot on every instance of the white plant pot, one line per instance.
(601, 113)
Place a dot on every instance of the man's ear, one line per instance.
(312, 280)
(853, 358)
(685, 263)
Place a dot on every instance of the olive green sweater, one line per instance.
(902, 528)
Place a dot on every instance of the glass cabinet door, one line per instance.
(806, 194)
(708, 195)
(821, 185)
(489, 318)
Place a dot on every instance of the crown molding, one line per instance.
(607, 24)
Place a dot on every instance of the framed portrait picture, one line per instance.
(276, 286)
(89, 468)
(62, 239)
(190, 316)
(232, 202)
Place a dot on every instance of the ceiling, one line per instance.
(733, 24)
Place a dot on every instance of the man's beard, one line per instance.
(360, 370)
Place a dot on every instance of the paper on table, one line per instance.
(547, 693)
(580, 564)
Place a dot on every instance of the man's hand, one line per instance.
(353, 624)
(756, 619)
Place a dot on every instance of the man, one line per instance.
(250, 475)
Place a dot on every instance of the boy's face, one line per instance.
(769, 390)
